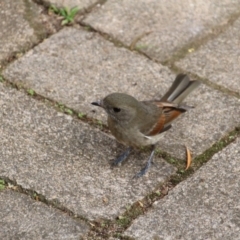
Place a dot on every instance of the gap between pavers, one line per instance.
(205, 206)
(171, 25)
(68, 161)
(23, 218)
(76, 67)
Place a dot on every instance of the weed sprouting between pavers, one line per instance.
(2, 184)
(67, 14)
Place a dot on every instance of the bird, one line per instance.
(136, 124)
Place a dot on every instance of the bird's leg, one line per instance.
(149, 162)
(122, 157)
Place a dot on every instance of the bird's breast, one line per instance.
(129, 135)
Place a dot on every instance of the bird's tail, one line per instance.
(181, 87)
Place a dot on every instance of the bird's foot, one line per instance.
(148, 165)
(122, 157)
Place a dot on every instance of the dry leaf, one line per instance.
(93, 225)
(140, 203)
(189, 158)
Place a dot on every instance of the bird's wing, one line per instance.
(170, 111)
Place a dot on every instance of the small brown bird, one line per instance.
(140, 123)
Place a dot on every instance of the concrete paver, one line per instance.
(21, 26)
(72, 3)
(69, 161)
(205, 206)
(172, 24)
(93, 67)
(218, 60)
(23, 218)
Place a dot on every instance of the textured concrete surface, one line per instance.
(92, 68)
(23, 218)
(21, 26)
(218, 60)
(72, 3)
(67, 160)
(205, 206)
(172, 25)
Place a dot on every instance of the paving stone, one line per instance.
(68, 161)
(218, 60)
(93, 67)
(172, 25)
(205, 206)
(21, 26)
(23, 218)
(72, 3)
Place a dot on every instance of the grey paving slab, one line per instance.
(76, 67)
(23, 218)
(218, 60)
(72, 3)
(205, 206)
(21, 26)
(172, 25)
(68, 161)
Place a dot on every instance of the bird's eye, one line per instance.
(116, 110)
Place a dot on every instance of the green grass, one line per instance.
(81, 115)
(2, 184)
(67, 14)
(68, 111)
(1, 79)
(31, 92)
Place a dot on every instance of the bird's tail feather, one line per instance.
(180, 89)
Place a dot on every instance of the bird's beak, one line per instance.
(97, 103)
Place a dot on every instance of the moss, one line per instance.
(2, 184)
(205, 156)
